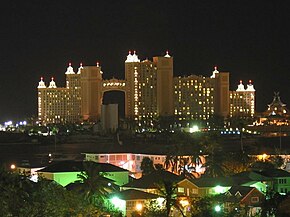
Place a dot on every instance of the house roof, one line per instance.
(243, 190)
(274, 173)
(212, 182)
(132, 194)
(78, 166)
(248, 176)
(151, 180)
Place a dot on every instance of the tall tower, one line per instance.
(91, 95)
(164, 85)
(132, 71)
(221, 98)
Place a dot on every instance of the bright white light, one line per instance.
(12, 166)
(217, 208)
(139, 206)
(193, 129)
(160, 201)
(118, 203)
(219, 189)
(8, 123)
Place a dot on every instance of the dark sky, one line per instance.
(250, 39)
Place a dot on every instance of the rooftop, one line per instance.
(77, 166)
(132, 194)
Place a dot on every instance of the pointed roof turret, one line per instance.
(80, 68)
(41, 83)
(132, 58)
(214, 72)
(277, 107)
(69, 70)
(167, 54)
(250, 86)
(52, 83)
(241, 87)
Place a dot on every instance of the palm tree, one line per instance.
(94, 185)
(167, 189)
(214, 160)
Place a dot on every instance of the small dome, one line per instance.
(80, 68)
(41, 83)
(69, 70)
(241, 87)
(52, 83)
(167, 54)
(214, 72)
(132, 58)
(250, 86)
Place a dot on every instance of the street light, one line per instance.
(217, 208)
(12, 166)
(139, 207)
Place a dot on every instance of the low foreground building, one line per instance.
(66, 172)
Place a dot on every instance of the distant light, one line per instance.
(184, 203)
(194, 129)
(139, 207)
(219, 189)
(109, 184)
(160, 201)
(12, 166)
(217, 208)
(118, 203)
(8, 123)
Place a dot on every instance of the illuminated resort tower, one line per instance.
(242, 101)
(197, 97)
(150, 90)
(60, 104)
(149, 86)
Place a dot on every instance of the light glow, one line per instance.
(139, 207)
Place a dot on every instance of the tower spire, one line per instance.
(69, 70)
(52, 83)
(80, 68)
(41, 83)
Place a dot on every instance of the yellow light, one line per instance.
(139, 206)
(184, 203)
(264, 156)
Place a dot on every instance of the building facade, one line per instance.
(150, 89)
(242, 101)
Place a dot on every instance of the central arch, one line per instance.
(115, 85)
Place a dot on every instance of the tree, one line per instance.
(167, 189)
(236, 162)
(214, 160)
(147, 166)
(93, 186)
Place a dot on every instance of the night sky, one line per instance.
(250, 39)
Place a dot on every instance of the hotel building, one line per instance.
(150, 89)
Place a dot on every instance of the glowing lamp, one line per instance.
(218, 189)
(184, 203)
(139, 207)
(217, 208)
(12, 166)
(193, 129)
